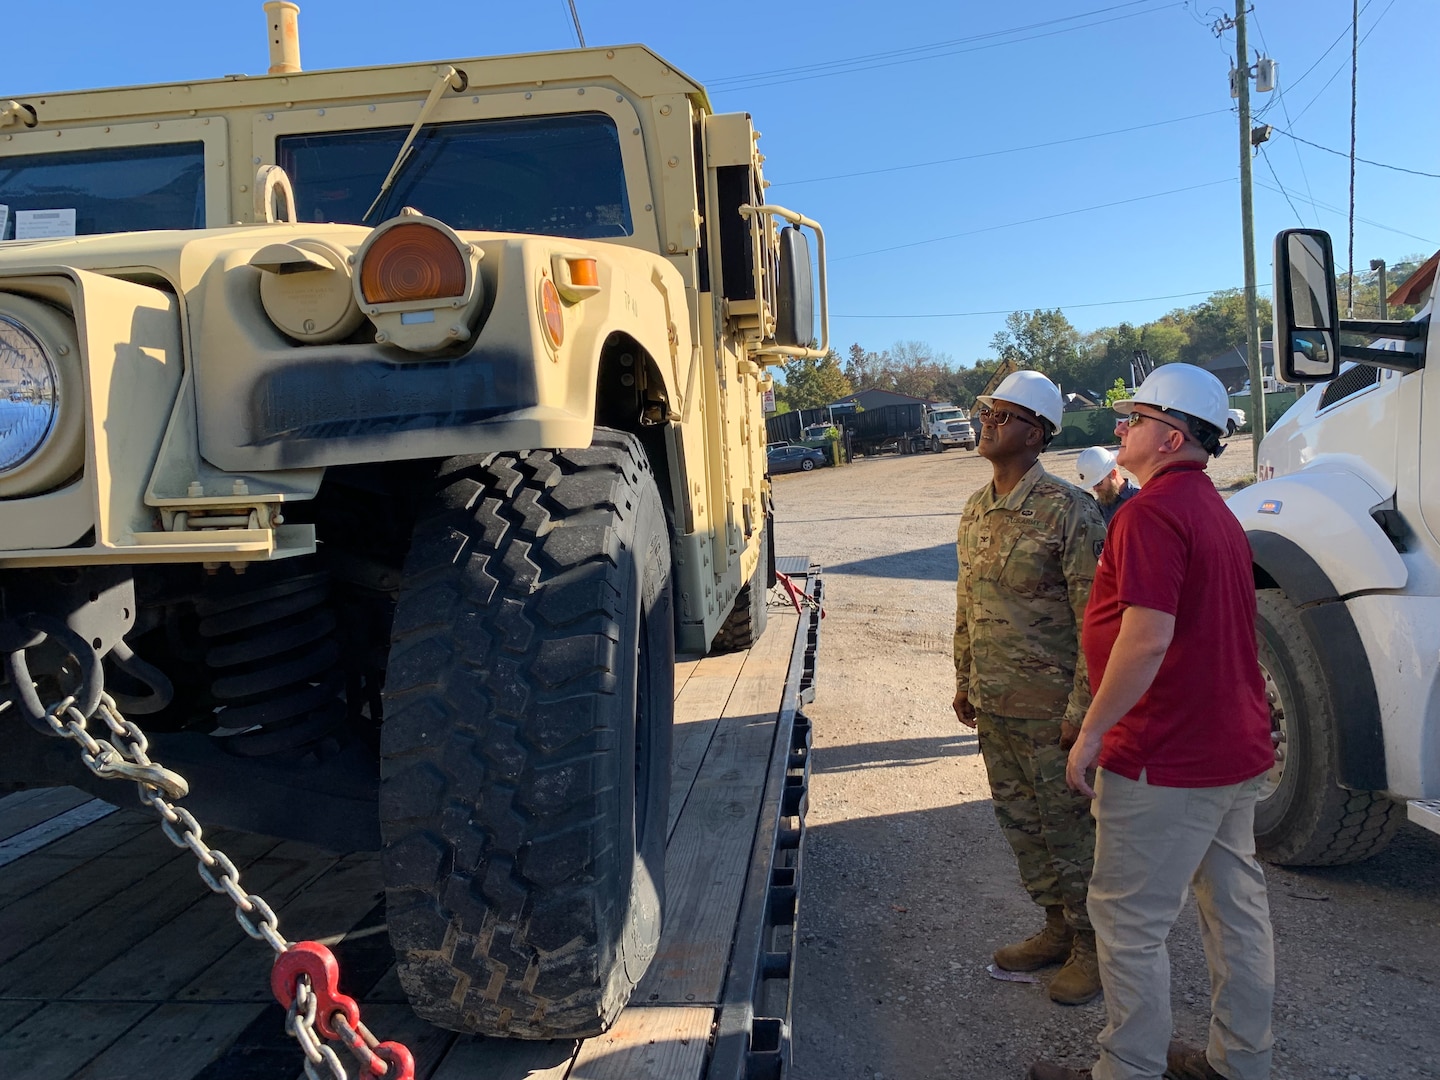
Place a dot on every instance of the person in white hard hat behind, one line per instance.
(1027, 545)
(1180, 730)
(1100, 476)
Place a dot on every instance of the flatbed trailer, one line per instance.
(116, 962)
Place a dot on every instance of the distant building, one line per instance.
(1074, 402)
(1233, 367)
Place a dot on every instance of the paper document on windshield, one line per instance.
(44, 224)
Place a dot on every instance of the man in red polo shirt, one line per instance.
(1180, 730)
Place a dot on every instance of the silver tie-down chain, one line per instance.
(313, 1013)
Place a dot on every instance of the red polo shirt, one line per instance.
(1204, 722)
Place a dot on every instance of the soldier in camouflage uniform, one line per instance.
(1028, 544)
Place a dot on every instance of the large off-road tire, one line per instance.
(746, 621)
(526, 747)
(1304, 817)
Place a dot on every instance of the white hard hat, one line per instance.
(1182, 388)
(1094, 464)
(1034, 391)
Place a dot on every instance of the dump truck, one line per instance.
(1343, 525)
(373, 438)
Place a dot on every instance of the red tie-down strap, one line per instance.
(337, 1016)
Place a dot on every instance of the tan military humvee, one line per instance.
(384, 431)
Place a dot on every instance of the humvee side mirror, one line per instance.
(794, 291)
(1307, 309)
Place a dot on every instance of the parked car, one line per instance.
(794, 458)
(776, 445)
(1236, 421)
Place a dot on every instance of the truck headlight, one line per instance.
(42, 397)
(29, 395)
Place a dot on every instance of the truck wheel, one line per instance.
(525, 754)
(1304, 817)
(969, 446)
(746, 621)
(936, 446)
(1231, 427)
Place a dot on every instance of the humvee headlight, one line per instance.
(42, 397)
(411, 262)
(418, 282)
(28, 394)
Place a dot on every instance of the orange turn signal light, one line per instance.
(550, 312)
(583, 271)
(412, 262)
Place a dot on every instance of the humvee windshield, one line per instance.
(558, 175)
(117, 189)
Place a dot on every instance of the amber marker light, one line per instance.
(550, 312)
(583, 271)
(412, 262)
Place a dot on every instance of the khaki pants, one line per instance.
(1152, 844)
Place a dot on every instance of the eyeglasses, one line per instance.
(1134, 418)
(1001, 417)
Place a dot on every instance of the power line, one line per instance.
(1281, 186)
(1341, 68)
(1030, 221)
(1026, 307)
(993, 153)
(1363, 161)
(575, 17)
(1339, 38)
(1354, 81)
(1368, 221)
(873, 61)
(916, 49)
(1285, 108)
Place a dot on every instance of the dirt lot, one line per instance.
(909, 885)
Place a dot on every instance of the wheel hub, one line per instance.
(1279, 734)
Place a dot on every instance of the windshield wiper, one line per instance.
(449, 79)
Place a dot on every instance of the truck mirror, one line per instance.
(1307, 309)
(794, 291)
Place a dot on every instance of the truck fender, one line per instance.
(1345, 553)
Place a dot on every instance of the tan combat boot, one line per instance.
(1050, 946)
(1079, 980)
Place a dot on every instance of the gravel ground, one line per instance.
(909, 885)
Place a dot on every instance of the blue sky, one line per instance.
(904, 126)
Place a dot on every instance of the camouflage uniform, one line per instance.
(1027, 561)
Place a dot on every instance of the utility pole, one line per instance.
(1247, 227)
(1378, 265)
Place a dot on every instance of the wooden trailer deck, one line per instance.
(116, 962)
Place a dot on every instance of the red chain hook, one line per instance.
(311, 959)
(797, 596)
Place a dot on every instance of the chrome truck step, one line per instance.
(1425, 812)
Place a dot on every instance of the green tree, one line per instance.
(812, 383)
(1042, 339)
(868, 370)
(916, 369)
(1118, 392)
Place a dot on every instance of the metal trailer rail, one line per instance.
(116, 961)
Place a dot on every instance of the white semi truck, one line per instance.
(1344, 525)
